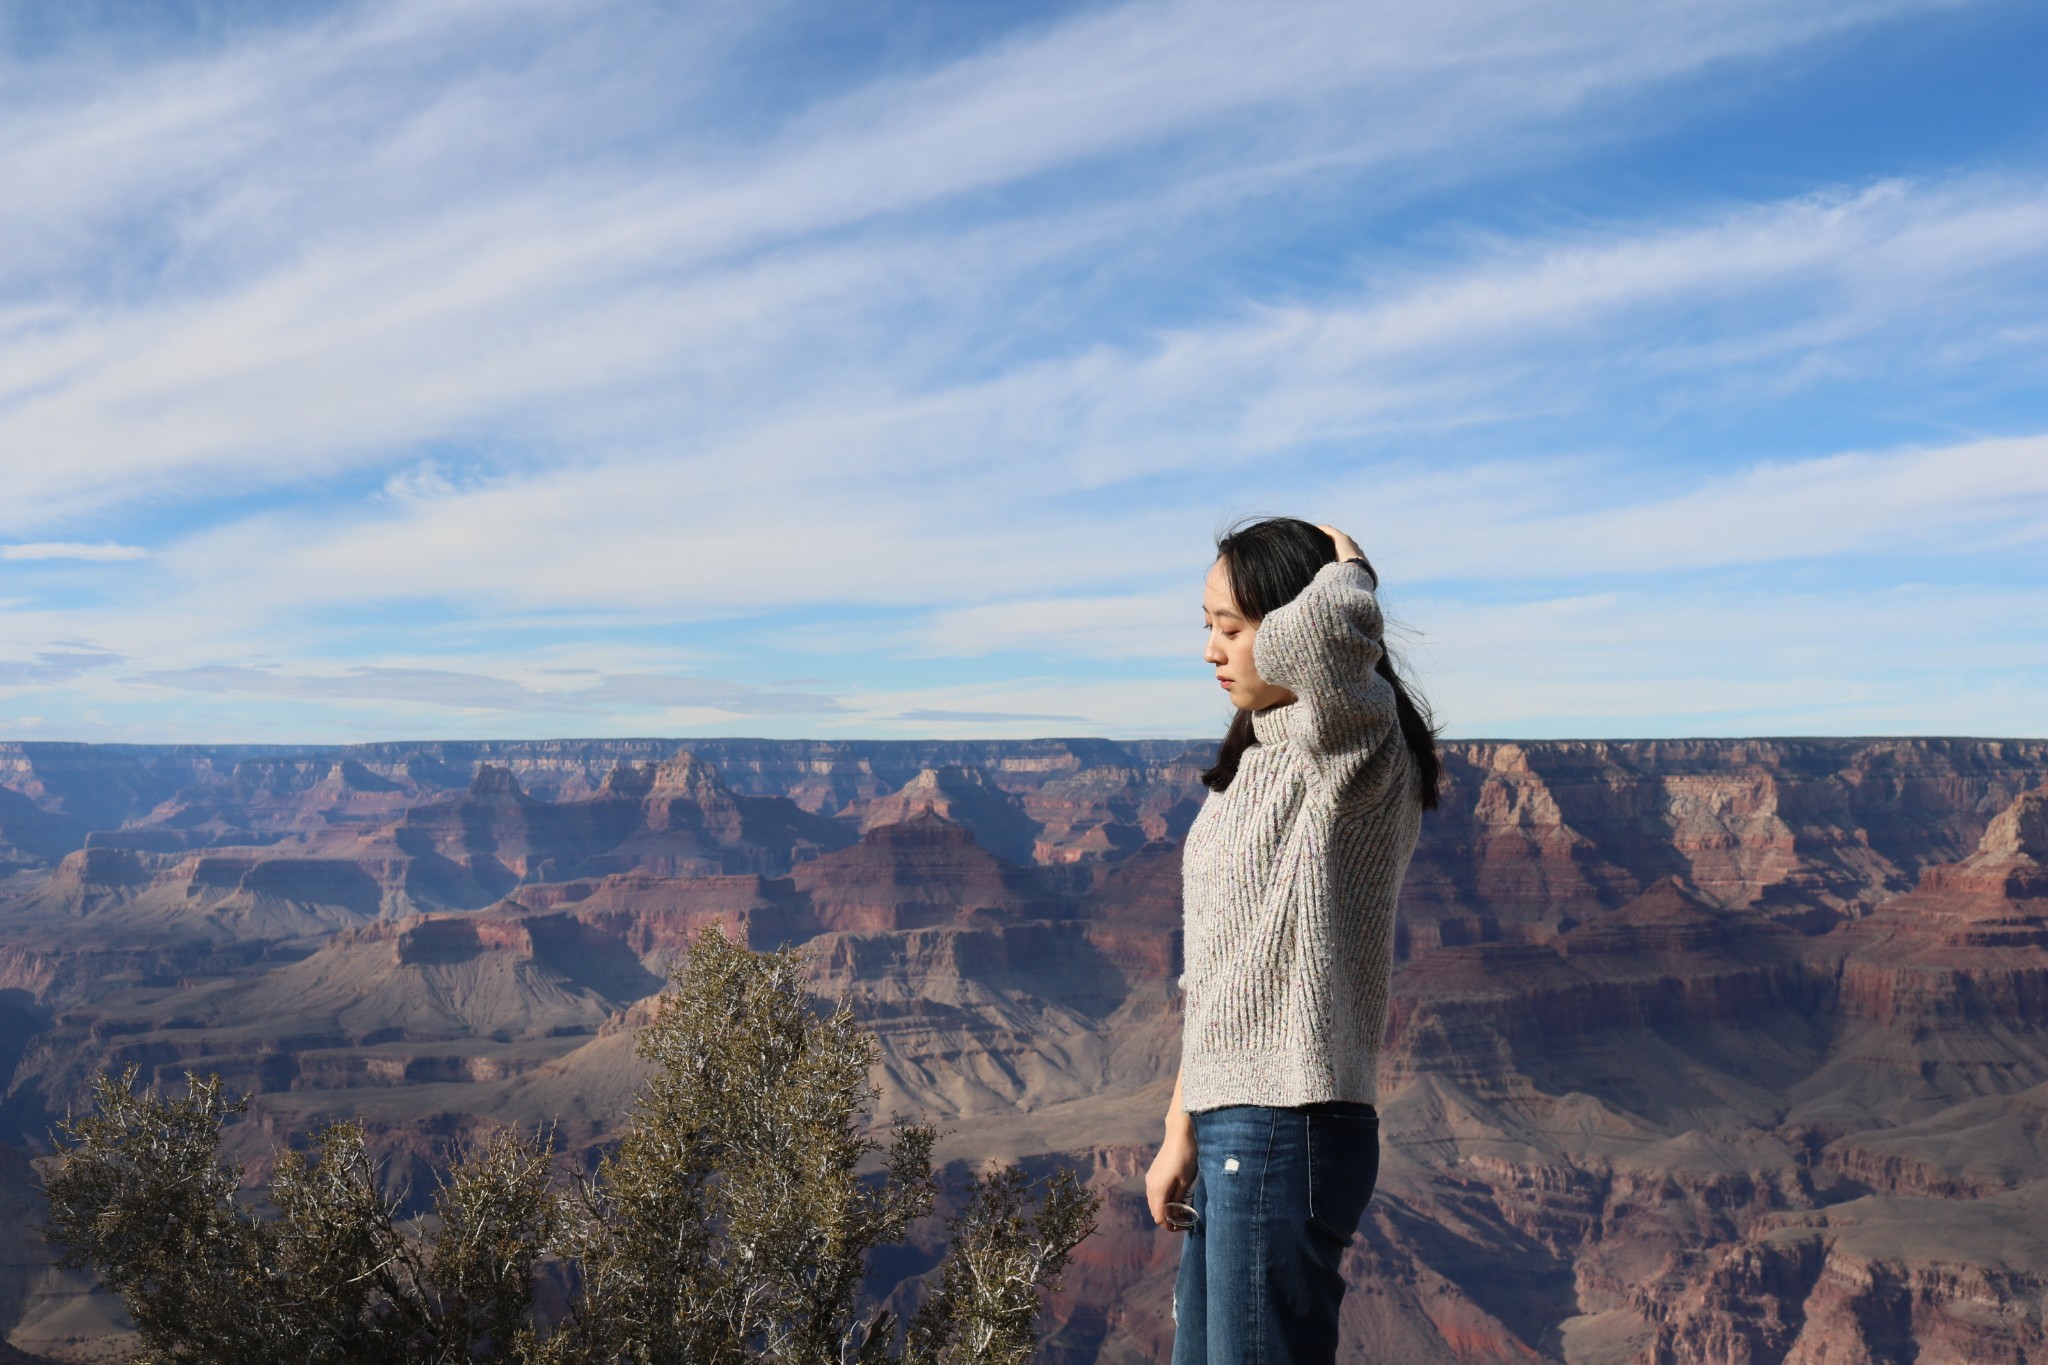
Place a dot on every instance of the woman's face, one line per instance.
(1230, 647)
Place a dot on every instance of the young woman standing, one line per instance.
(1290, 876)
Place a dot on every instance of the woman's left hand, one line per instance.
(1347, 548)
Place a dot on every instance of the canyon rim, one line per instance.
(1702, 1051)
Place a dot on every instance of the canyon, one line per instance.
(1701, 1050)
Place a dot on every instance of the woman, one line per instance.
(1290, 876)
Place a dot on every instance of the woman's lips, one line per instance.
(1224, 683)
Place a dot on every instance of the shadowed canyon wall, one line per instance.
(1701, 1051)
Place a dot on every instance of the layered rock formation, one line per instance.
(1700, 1051)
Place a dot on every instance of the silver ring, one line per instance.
(1180, 1217)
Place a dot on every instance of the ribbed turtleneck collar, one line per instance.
(1274, 724)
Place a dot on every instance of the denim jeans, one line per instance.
(1277, 1195)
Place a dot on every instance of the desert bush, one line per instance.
(730, 1224)
(140, 1192)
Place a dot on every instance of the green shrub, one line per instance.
(731, 1223)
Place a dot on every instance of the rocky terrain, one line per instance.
(1702, 1051)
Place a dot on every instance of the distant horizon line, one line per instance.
(684, 741)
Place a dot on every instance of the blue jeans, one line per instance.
(1277, 1196)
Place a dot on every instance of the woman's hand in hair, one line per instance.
(1347, 548)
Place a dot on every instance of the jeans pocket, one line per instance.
(1343, 1166)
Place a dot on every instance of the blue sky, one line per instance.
(595, 367)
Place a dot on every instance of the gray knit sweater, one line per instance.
(1291, 873)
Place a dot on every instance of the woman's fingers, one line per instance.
(1347, 548)
(1171, 1176)
(1160, 1190)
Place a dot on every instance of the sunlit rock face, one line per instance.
(1700, 1051)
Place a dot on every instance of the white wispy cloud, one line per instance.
(481, 339)
(1516, 526)
(1158, 625)
(1962, 502)
(308, 326)
(102, 552)
(486, 692)
(1482, 335)
(1730, 660)
(53, 666)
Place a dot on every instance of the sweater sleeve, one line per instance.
(1323, 647)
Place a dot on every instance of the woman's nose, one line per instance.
(1213, 654)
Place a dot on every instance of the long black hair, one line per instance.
(1267, 564)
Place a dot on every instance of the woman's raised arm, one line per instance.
(1324, 647)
